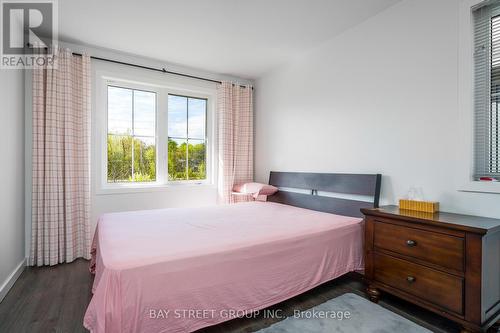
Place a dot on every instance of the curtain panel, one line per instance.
(235, 139)
(61, 146)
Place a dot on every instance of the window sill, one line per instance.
(481, 187)
(148, 188)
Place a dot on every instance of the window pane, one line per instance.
(196, 159)
(119, 111)
(177, 159)
(144, 113)
(119, 158)
(177, 116)
(197, 113)
(144, 159)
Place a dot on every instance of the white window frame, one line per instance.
(162, 85)
(466, 103)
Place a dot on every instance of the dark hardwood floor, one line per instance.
(48, 299)
(54, 299)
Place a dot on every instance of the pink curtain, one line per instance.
(235, 131)
(61, 131)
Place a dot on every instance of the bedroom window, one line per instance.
(487, 90)
(152, 133)
(186, 138)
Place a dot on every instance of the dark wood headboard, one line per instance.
(343, 183)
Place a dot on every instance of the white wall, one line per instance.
(12, 171)
(380, 98)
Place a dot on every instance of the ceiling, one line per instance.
(240, 38)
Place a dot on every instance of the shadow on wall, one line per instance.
(387, 191)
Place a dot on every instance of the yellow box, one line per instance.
(420, 206)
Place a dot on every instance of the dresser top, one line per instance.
(470, 223)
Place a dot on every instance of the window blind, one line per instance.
(486, 20)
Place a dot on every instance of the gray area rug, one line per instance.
(348, 313)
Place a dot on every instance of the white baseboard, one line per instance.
(11, 279)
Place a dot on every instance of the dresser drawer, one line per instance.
(433, 247)
(437, 287)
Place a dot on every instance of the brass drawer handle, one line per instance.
(411, 243)
(410, 279)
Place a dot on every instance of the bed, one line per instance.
(179, 270)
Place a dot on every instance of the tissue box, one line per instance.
(420, 206)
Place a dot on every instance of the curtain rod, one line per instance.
(163, 70)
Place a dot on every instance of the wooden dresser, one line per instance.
(447, 263)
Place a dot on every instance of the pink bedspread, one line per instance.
(178, 270)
